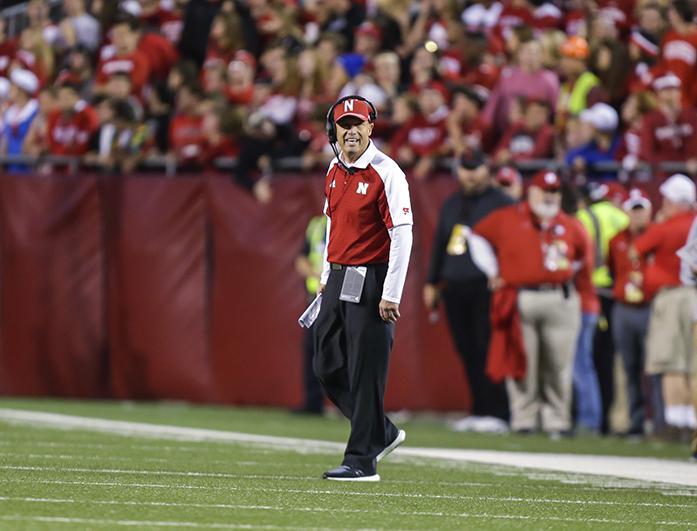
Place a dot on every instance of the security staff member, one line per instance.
(369, 221)
(464, 289)
(309, 265)
(539, 250)
(594, 378)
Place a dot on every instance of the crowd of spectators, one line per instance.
(579, 81)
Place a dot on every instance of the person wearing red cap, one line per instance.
(630, 314)
(542, 253)
(369, 237)
(510, 182)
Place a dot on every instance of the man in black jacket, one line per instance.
(455, 278)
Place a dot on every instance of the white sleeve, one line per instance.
(400, 250)
(325, 263)
(398, 200)
(483, 254)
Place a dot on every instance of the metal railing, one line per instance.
(169, 166)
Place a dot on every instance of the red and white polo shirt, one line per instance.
(363, 206)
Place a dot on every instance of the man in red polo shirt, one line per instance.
(365, 265)
(670, 338)
(543, 253)
(632, 308)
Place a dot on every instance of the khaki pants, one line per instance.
(550, 326)
(669, 343)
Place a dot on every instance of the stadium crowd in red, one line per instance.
(117, 81)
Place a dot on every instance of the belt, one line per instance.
(548, 287)
(339, 267)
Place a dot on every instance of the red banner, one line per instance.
(157, 288)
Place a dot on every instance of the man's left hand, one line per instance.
(389, 311)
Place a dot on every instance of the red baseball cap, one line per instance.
(508, 176)
(371, 29)
(352, 107)
(547, 180)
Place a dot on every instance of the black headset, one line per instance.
(331, 124)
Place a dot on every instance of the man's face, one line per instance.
(123, 38)
(472, 180)
(545, 204)
(639, 218)
(670, 97)
(353, 136)
(67, 98)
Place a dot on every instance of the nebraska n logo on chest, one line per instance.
(362, 188)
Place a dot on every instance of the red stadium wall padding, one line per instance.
(52, 271)
(156, 288)
(157, 296)
(257, 298)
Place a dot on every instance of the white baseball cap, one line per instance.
(601, 116)
(667, 81)
(679, 188)
(637, 198)
(25, 80)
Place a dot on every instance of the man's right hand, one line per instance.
(431, 294)
(321, 289)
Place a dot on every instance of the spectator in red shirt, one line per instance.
(124, 57)
(220, 127)
(72, 124)
(185, 128)
(631, 311)
(465, 129)
(240, 81)
(679, 49)
(635, 108)
(532, 138)
(670, 339)
(510, 181)
(669, 133)
(419, 141)
(541, 252)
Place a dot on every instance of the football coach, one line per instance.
(369, 235)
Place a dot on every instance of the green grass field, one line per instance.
(79, 479)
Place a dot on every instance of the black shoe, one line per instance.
(349, 473)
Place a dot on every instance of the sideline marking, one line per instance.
(641, 468)
(513, 499)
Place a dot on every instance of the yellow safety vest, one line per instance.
(602, 221)
(576, 97)
(315, 235)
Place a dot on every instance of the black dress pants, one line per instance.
(604, 360)
(314, 396)
(352, 347)
(467, 307)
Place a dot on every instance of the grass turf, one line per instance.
(55, 479)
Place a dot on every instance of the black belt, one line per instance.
(339, 267)
(548, 287)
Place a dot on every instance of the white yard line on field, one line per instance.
(507, 499)
(639, 468)
(473, 516)
(141, 523)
